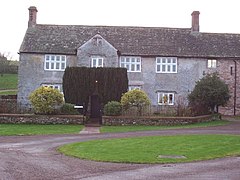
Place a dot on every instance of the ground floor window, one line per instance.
(54, 86)
(134, 87)
(165, 98)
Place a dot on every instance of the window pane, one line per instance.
(170, 98)
(58, 58)
(57, 65)
(127, 60)
(52, 58)
(133, 60)
(100, 62)
(173, 68)
(169, 61)
(63, 58)
(160, 98)
(163, 68)
(173, 60)
(158, 68)
(158, 60)
(63, 66)
(47, 58)
(128, 67)
(47, 65)
(52, 65)
(132, 67)
(168, 68)
(138, 67)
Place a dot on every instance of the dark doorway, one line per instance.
(95, 110)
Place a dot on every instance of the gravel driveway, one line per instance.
(35, 157)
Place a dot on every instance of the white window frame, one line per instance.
(54, 86)
(98, 60)
(166, 65)
(132, 63)
(132, 87)
(55, 62)
(167, 101)
(212, 63)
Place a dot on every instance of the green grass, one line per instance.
(8, 81)
(9, 92)
(35, 129)
(148, 149)
(113, 129)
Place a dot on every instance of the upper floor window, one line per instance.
(165, 98)
(55, 62)
(212, 63)
(166, 65)
(97, 62)
(133, 64)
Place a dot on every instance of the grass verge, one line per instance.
(8, 81)
(148, 149)
(35, 129)
(113, 129)
(9, 92)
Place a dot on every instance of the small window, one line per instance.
(134, 87)
(165, 98)
(55, 63)
(97, 62)
(212, 63)
(166, 65)
(133, 64)
(54, 86)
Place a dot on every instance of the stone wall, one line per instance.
(153, 121)
(106, 120)
(40, 119)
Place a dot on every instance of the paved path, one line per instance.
(90, 130)
(35, 158)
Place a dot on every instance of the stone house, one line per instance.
(164, 62)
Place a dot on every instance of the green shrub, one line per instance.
(113, 108)
(135, 98)
(46, 100)
(68, 108)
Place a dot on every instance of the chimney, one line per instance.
(195, 21)
(32, 21)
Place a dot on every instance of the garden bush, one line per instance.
(46, 100)
(135, 98)
(68, 108)
(113, 108)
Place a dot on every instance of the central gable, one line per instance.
(97, 48)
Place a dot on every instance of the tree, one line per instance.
(45, 100)
(135, 98)
(209, 93)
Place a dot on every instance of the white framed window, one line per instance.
(54, 86)
(97, 62)
(133, 64)
(166, 65)
(165, 98)
(55, 62)
(212, 63)
(134, 87)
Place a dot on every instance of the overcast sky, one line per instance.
(221, 16)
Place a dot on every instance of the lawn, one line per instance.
(149, 149)
(8, 92)
(148, 128)
(8, 81)
(35, 129)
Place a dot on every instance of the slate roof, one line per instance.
(139, 41)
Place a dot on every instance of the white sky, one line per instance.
(221, 16)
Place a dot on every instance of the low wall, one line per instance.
(153, 121)
(106, 120)
(40, 119)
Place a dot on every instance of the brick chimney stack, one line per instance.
(195, 21)
(32, 21)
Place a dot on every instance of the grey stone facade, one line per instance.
(81, 44)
